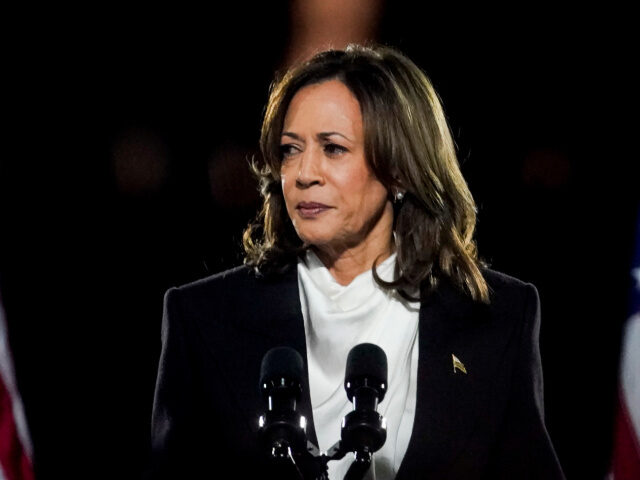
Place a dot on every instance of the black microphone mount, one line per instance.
(283, 430)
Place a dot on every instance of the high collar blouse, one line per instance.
(338, 317)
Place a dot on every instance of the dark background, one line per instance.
(124, 172)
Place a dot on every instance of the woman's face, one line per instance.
(332, 196)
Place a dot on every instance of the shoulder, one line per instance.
(501, 281)
(210, 288)
(514, 303)
(513, 307)
(509, 292)
(507, 295)
(239, 288)
(237, 277)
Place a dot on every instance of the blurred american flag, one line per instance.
(15, 443)
(626, 451)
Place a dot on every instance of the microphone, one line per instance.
(364, 430)
(281, 428)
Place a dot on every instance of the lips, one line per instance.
(311, 209)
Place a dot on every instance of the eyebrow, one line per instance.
(321, 135)
(325, 135)
(292, 135)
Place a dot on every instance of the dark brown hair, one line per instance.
(409, 147)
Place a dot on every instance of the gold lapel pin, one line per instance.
(457, 364)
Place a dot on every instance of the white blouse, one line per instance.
(336, 318)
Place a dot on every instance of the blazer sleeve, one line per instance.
(172, 405)
(524, 449)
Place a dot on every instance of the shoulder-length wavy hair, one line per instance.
(409, 147)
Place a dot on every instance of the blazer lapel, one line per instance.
(448, 400)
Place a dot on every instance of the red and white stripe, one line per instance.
(626, 454)
(15, 443)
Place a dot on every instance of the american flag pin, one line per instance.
(457, 364)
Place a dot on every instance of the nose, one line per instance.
(310, 170)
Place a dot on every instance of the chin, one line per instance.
(316, 241)
(316, 237)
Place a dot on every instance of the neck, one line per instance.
(346, 263)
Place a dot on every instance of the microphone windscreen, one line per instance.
(366, 360)
(281, 362)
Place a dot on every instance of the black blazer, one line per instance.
(488, 423)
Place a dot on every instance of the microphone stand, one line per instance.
(359, 466)
(313, 464)
(284, 463)
(283, 432)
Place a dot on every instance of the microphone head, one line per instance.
(282, 429)
(366, 366)
(281, 363)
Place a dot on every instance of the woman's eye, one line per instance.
(334, 149)
(287, 150)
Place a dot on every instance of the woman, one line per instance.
(366, 235)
